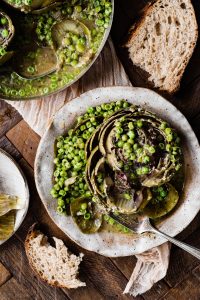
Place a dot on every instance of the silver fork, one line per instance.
(142, 224)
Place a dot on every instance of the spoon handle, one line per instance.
(192, 250)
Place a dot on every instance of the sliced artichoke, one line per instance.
(8, 202)
(156, 209)
(86, 214)
(37, 6)
(7, 224)
(127, 176)
(7, 31)
(72, 35)
(36, 62)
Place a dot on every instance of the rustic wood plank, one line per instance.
(13, 290)
(6, 145)
(157, 291)
(181, 262)
(4, 274)
(9, 117)
(27, 143)
(188, 289)
(125, 264)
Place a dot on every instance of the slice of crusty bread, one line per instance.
(163, 41)
(54, 265)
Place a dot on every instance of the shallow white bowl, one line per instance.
(13, 182)
(112, 243)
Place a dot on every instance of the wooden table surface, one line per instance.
(106, 278)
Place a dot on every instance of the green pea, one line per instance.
(80, 47)
(4, 33)
(119, 130)
(124, 137)
(131, 134)
(118, 124)
(139, 123)
(152, 149)
(84, 206)
(132, 157)
(168, 130)
(163, 194)
(145, 170)
(169, 137)
(146, 159)
(87, 216)
(163, 125)
(4, 21)
(130, 125)
(126, 146)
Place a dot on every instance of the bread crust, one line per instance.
(32, 234)
(134, 31)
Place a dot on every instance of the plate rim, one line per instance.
(27, 194)
(50, 124)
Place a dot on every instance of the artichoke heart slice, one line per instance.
(59, 34)
(7, 30)
(157, 210)
(88, 220)
(37, 6)
(8, 202)
(5, 57)
(7, 224)
(36, 62)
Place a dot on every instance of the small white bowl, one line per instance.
(13, 182)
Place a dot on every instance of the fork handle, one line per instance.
(192, 250)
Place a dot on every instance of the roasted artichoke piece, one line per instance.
(37, 6)
(129, 154)
(156, 154)
(8, 203)
(157, 209)
(74, 37)
(86, 214)
(7, 224)
(36, 62)
(7, 31)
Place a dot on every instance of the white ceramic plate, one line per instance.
(13, 182)
(109, 243)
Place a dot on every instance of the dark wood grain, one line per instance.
(105, 278)
(9, 117)
(4, 274)
(25, 140)
(11, 289)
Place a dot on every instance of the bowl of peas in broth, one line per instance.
(120, 149)
(47, 46)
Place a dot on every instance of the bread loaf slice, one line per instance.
(54, 265)
(162, 43)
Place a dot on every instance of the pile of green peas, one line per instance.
(74, 45)
(126, 140)
(70, 158)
